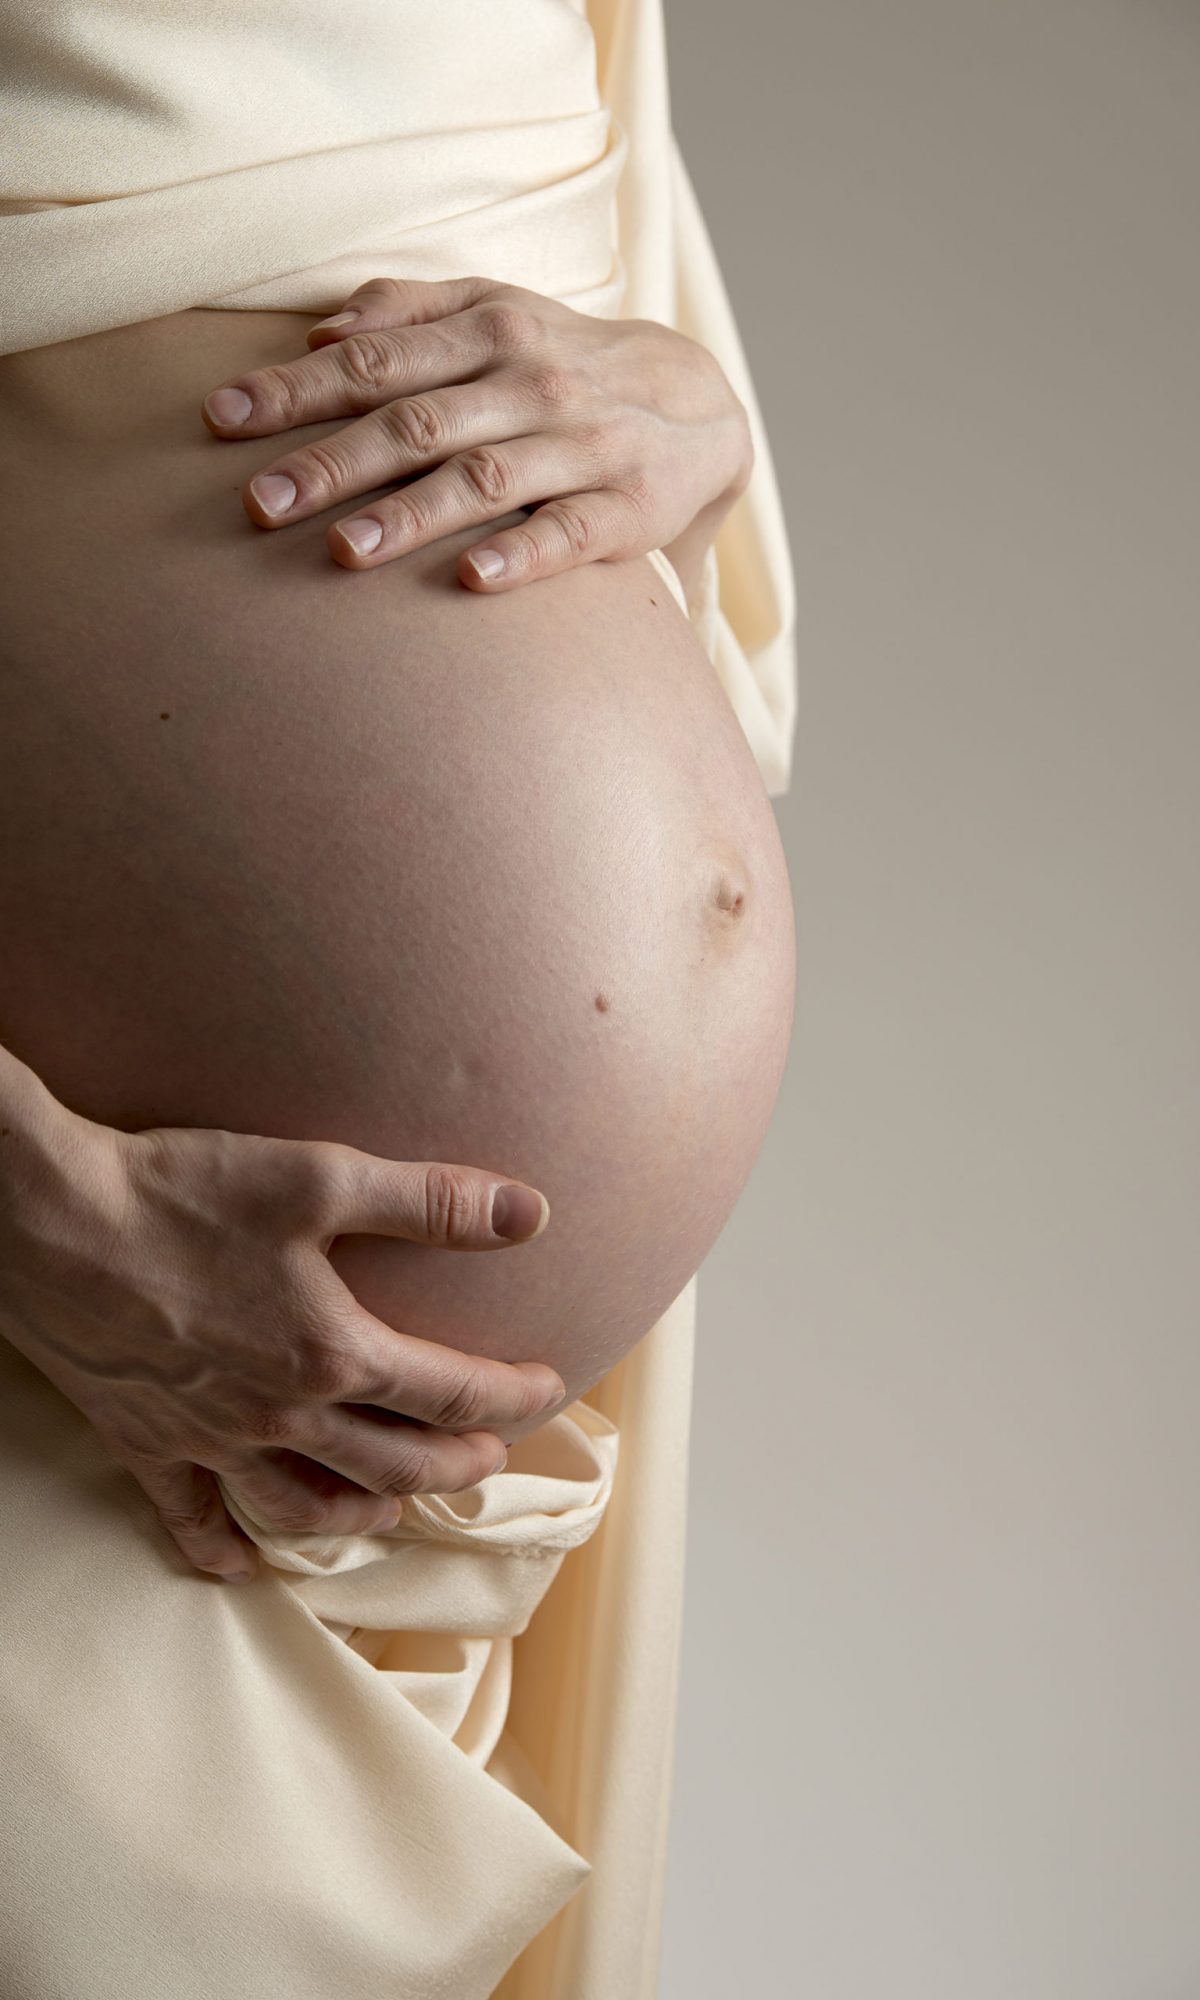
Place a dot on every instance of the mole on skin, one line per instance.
(602, 1004)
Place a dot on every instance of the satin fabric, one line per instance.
(346, 1777)
(438, 1763)
(161, 154)
(299, 1787)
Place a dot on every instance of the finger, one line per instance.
(363, 370)
(562, 534)
(447, 1206)
(354, 1357)
(286, 1490)
(405, 437)
(400, 302)
(439, 1385)
(188, 1502)
(391, 1457)
(475, 486)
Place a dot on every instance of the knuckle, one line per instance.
(316, 1184)
(368, 361)
(553, 388)
(410, 518)
(277, 390)
(592, 440)
(298, 1514)
(415, 424)
(638, 492)
(189, 1524)
(506, 327)
(531, 1399)
(321, 468)
(412, 1469)
(572, 524)
(487, 475)
(523, 552)
(462, 1402)
(267, 1424)
(451, 1206)
(325, 1372)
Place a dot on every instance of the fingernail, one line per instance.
(339, 319)
(274, 491)
(487, 563)
(239, 1576)
(228, 406)
(519, 1212)
(363, 535)
(501, 1462)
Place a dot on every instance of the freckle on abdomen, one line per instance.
(602, 1004)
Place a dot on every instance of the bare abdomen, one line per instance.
(294, 850)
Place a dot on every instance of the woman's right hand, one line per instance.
(174, 1284)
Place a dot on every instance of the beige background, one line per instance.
(940, 1714)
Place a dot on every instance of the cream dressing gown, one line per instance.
(435, 1763)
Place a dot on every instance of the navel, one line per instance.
(722, 886)
(728, 898)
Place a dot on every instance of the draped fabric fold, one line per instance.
(396, 141)
(302, 1787)
(157, 155)
(417, 206)
(434, 1766)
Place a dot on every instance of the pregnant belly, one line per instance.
(294, 850)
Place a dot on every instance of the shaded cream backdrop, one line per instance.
(940, 1708)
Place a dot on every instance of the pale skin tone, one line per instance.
(167, 1202)
(136, 1263)
(513, 398)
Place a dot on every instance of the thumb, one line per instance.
(428, 1201)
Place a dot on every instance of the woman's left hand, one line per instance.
(622, 435)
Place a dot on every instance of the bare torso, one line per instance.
(365, 856)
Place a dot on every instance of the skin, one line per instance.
(371, 857)
(175, 1285)
(477, 394)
